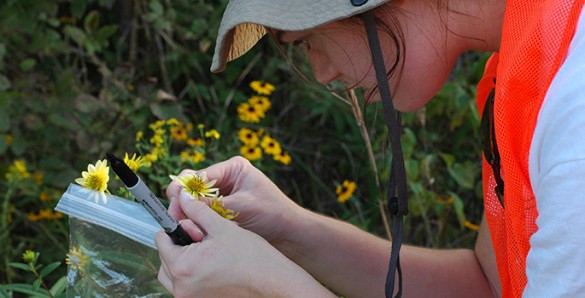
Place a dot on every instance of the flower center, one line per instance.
(94, 182)
(196, 185)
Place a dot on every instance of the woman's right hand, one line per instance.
(263, 208)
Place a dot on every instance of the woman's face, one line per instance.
(340, 51)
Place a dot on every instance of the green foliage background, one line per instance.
(80, 78)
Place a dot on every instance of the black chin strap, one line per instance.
(397, 189)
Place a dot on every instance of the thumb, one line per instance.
(200, 213)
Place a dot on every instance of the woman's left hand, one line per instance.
(228, 261)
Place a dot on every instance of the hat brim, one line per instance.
(245, 22)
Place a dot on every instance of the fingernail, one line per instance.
(185, 196)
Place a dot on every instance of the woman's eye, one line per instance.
(302, 43)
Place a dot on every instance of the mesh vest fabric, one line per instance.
(535, 39)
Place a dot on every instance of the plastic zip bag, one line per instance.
(112, 251)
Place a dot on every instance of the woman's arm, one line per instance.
(354, 263)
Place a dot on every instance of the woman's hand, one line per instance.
(262, 207)
(228, 261)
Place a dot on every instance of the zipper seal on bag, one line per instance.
(120, 215)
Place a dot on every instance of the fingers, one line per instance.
(192, 229)
(164, 277)
(201, 214)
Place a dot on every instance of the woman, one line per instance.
(532, 107)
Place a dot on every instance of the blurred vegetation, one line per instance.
(81, 78)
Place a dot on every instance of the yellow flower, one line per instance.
(195, 142)
(76, 259)
(261, 102)
(196, 157)
(283, 157)
(139, 136)
(32, 217)
(345, 190)
(270, 145)
(38, 177)
(157, 140)
(260, 87)
(44, 197)
(217, 206)
(196, 184)
(134, 163)
(248, 136)
(9, 139)
(157, 125)
(29, 256)
(173, 122)
(96, 177)
(250, 113)
(212, 134)
(17, 171)
(179, 133)
(471, 225)
(251, 152)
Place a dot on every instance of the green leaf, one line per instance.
(78, 8)
(76, 34)
(459, 209)
(25, 289)
(3, 145)
(463, 175)
(49, 268)
(4, 83)
(2, 51)
(27, 64)
(21, 266)
(18, 145)
(4, 120)
(3, 293)
(105, 32)
(62, 121)
(59, 286)
(156, 7)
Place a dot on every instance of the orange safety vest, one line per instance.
(535, 39)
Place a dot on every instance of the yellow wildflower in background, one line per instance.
(17, 171)
(179, 133)
(139, 136)
(134, 163)
(345, 190)
(248, 136)
(29, 256)
(270, 145)
(261, 102)
(196, 156)
(157, 125)
(251, 152)
(261, 87)
(38, 177)
(96, 178)
(250, 113)
(196, 184)
(195, 142)
(173, 122)
(76, 259)
(283, 157)
(471, 225)
(212, 134)
(44, 197)
(9, 139)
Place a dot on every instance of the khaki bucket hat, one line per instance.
(244, 22)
